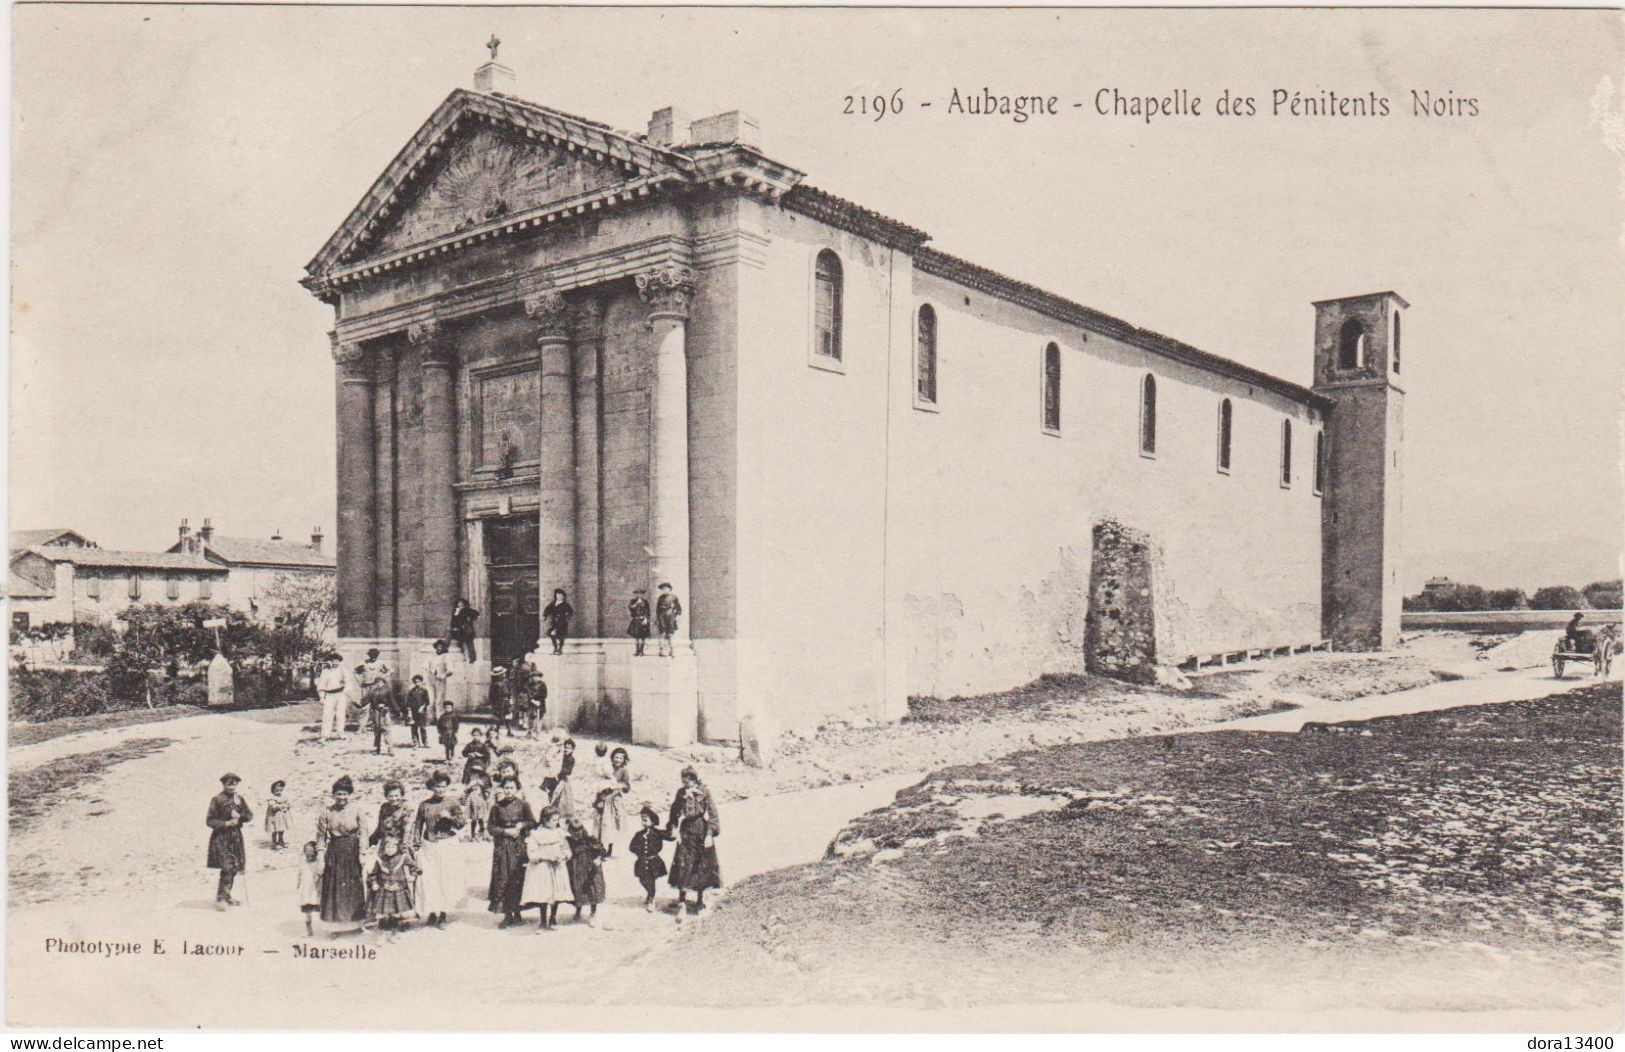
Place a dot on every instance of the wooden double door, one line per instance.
(514, 583)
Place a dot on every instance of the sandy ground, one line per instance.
(121, 861)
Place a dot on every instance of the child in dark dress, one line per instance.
(448, 724)
(476, 755)
(646, 845)
(586, 870)
(394, 817)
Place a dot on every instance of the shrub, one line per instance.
(93, 640)
(48, 694)
(1603, 595)
(1462, 597)
(1559, 597)
(1508, 599)
(1419, 603)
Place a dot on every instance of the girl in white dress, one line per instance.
(547, 878)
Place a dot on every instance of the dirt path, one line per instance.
(125, 862)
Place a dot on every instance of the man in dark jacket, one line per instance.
(227, 814)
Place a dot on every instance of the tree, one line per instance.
(1603, 595)
(1559, 597)
(1508, 599)
(1421, 602)
(305, 615)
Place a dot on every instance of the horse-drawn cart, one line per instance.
(1598, 648)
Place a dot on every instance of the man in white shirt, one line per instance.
(330, 688)
(439, 672)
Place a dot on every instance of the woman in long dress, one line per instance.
(694, 865)
(547, 878)
(434, 831)
(510, 820)
(341, 830)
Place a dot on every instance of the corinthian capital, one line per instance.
(351, 358)
(429, 337)
(550, 312)
(667, 289)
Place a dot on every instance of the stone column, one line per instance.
(667, 290)
(439, 474)
(383, 430)
(355, 553)
(557, 515)
(665, 691)
(588, 328)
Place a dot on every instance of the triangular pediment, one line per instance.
(481, 156)
(487, 173)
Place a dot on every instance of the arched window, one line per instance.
(1286, 452)
(1320, 462)
(925, 356)
(1148, 415)
(1052, 388)
(1396, 341)
(1351, 346)
(1224, 435)
(827, 306)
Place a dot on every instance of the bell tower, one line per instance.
(1359, 465)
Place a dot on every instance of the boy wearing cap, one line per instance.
(417, 707)
(228, 812)
(637, 626)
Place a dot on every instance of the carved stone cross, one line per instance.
(493, 44)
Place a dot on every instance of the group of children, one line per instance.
(548, 847)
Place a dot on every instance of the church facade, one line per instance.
(578, 358)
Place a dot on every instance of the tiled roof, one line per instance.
(257, 552)
(845, 215)
(28, 538)
(116, 560)
(969, 274)
(19, 587)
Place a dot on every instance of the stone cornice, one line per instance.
(613, 264)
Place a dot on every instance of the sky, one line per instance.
(174, 168)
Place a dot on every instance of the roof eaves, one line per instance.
(971, 275)
(849, 216)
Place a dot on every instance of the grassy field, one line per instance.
(1462, 859)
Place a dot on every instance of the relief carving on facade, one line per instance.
(487, 176)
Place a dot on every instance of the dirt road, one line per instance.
(122, 863)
